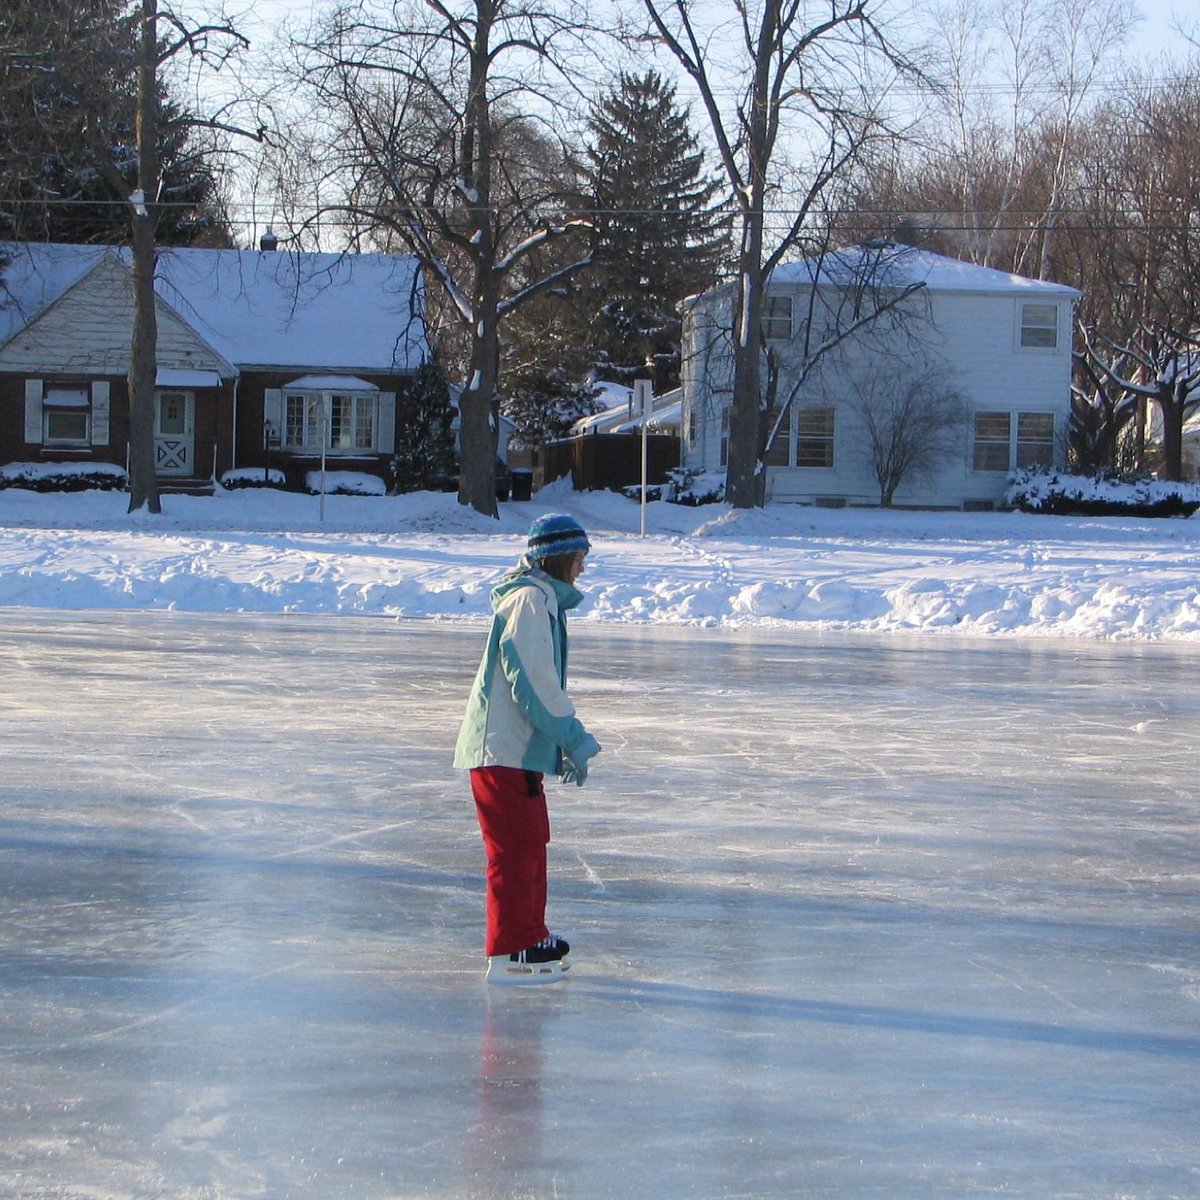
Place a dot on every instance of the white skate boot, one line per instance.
(544, 962)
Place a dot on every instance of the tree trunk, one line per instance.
(745, 480)
(143, 352)
(1171, 410)
(478, 416)
(143, 481)
(478, 410)
(743, 465)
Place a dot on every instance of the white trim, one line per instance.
(33, 412)
(101, 390)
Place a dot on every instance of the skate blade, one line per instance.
(502, 970)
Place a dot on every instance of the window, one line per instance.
(992, 437)
(996, 448)
(1035, 439)
(814, 437)
(172, 414)
(777, 318)
(351, 421)
(66, 416)
(779, 452)
(1039, 326)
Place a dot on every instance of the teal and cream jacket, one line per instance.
(518, 714)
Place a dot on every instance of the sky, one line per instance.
(1157, 35)
(424, 556)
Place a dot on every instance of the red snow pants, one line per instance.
(511, 806)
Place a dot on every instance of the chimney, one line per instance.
(268, 241)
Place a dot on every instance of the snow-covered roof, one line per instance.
(667, 415)
(258, 309)
(328, 383)
(601, 422)
(895, 265)
(667, 412)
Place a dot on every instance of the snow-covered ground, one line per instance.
(426, 556)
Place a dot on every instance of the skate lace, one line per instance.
(549, 942)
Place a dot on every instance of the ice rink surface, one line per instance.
(851, 917)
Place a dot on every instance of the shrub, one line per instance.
(64, 476)
(685, 485)
(253, 477)
(693, 488)
(1100, 495)
(345, 483)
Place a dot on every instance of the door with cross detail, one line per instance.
(174, 433)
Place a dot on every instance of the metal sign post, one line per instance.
(643, 403)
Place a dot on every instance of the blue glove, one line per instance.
(575, 764)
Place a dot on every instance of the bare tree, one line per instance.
(991, 179)
(913, 423)
(213, 42)
(1158, 364)
(431, 151)
(1138, 191)
(807, 69)
(143, 353)
(1096, 440)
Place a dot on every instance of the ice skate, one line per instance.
(544, 962)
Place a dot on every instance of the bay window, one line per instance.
(342, 422)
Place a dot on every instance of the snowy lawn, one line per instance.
(425, 556)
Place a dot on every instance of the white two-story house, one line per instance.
(1000, 342)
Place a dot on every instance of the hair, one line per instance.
(556, 564)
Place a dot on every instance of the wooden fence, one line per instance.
(608, 461)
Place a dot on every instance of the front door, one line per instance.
(174, 433)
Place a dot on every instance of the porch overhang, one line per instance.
(172, 377)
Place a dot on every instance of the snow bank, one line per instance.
(425, 556)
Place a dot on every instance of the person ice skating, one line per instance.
(520, 726)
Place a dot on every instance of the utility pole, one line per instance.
(143, 353)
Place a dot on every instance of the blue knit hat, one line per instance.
(556, 533)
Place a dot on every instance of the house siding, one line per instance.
(87, 332)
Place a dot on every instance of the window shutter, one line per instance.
(33, 412)
(100, 399)
(273, 413)
(385, 438)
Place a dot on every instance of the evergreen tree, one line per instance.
(546, 364)
(68, 157)
(661, 226)
(427, 444)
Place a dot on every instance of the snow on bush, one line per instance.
(1037, 491)
(63, 476)
(685, 486)
(345, 483)
(248, 477)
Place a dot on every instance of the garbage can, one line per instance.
(522, 484)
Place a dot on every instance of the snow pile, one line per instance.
(345, 483)
(425, 556)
